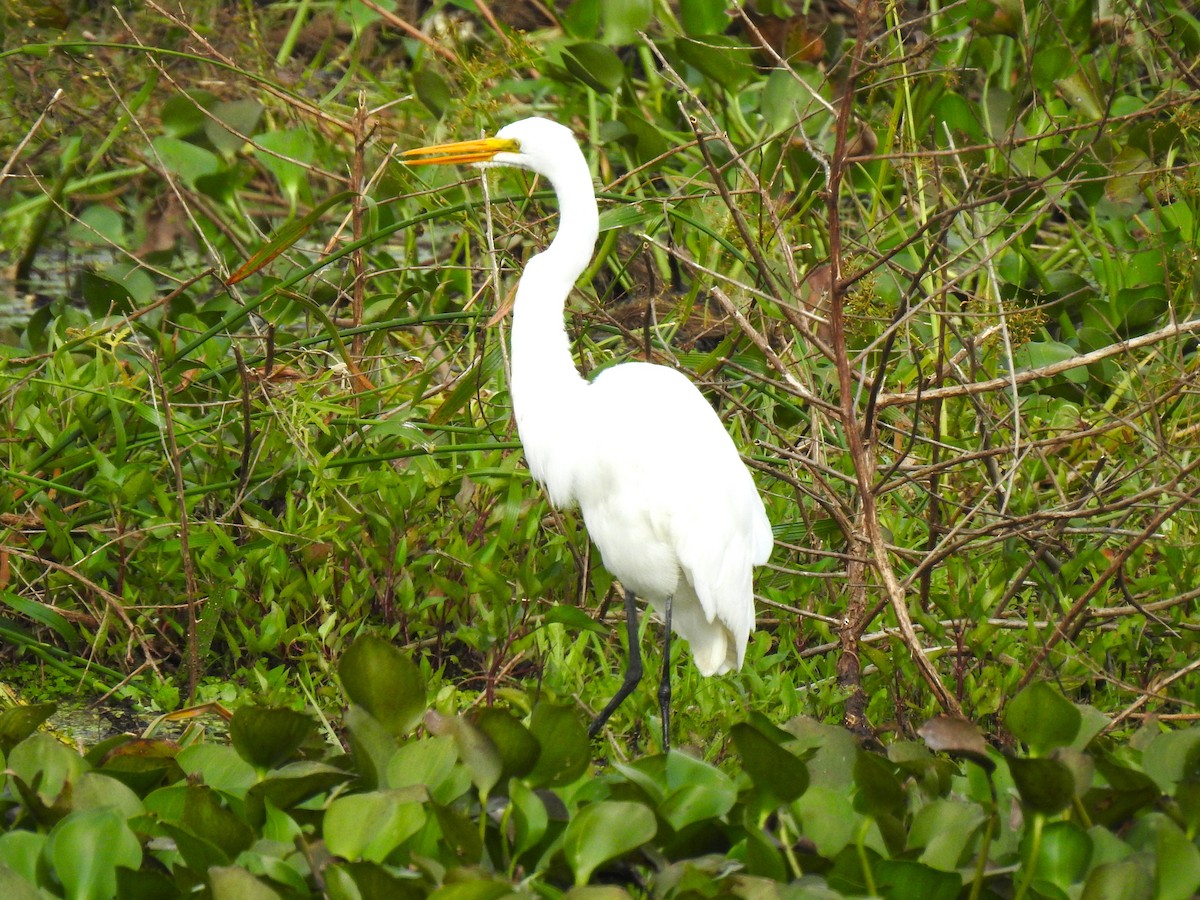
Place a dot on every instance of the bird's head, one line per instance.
(540, 145)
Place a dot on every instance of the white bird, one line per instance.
(663, 492)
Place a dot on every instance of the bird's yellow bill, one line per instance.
(482, 150)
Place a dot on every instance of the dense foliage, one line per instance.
(484, 806)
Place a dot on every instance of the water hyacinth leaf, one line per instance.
(773, 770)
(902, 879)
(518, 748)
(206, 817)
(942, 830)
(604, 831)
(266, 736)
(698, 791)
(87, 847)
(564, 742)
(44, 766)
(1042, 718)
(1064, 854)
(427, 762)
(1045, 785)
(384, 682)
(21, 852)
(220, 767)
(295, 783)
(235, 883)
(879, 790)
(93, 790)
(19, 722)
(529, 816)
(1124, 880)
(1177, 860)
(14, 887)
(370, 826)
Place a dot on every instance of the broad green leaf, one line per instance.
(266, 736)
(20, 852)
(942, 831)
(87, 847)
(432, 91)
(1176, 858)
(93, 790)
(384, 682)
(45, 766)
(1045, 785)
(879, 791)
(1064, 854)
(14, 887)
(219, 766)
(565, 748)
(909, 880)
(206, 817)
(698, 791)
(185, 160)
(370, 826)
(529, 816)
(1118, 881)
(518, 748)
(622, 21)
(1042, 718)
(604, 831)
(703, 17)
(773, 770)
(296, 144)
(228, 117)
(235, 883)
(427, 762)
(595, 65)
(19, 722)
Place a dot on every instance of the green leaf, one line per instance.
(698, 791)
(942, 831)
(725, 60)
(14, 887)
(21, 852)
(185, 160)
(384, 682)
(204, 816)
(518, 748)
(1045, 785)
(1064, 854)
(565, 748)
(218, 766)
(622, 21)
(703, 17)
(370, 826)
(235, 883)
(1118, 881)
(433, 91)
(1177, 860)
(19, 722)
(910, 880)
(292, 173)
(429, 762)
(595, 65)
(529, 817)
(266, 736)
(773, 770)
(87, 847)
(574, 618)
(44, 766)
(231, 116)
(1042, 718)
(603, 831)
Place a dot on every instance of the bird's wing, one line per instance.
(692, 486)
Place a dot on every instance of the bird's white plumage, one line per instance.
(658, 479)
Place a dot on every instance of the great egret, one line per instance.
(663, 492)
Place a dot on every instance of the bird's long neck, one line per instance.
(543, 371)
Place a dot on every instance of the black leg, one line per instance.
(664, 686)
(633, 672)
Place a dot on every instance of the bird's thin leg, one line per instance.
(633, 671)
(664, 686)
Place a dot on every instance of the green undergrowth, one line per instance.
(400, 800)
